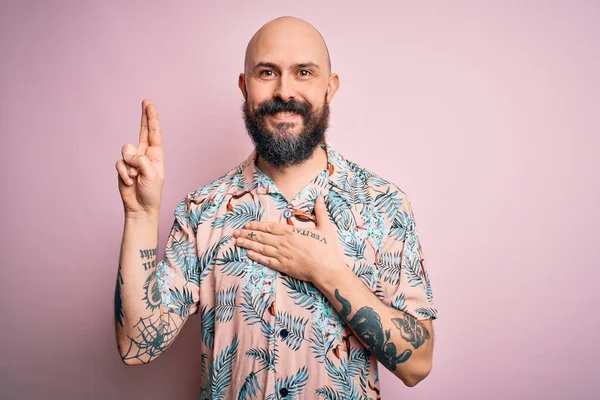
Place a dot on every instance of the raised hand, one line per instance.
(141, 170)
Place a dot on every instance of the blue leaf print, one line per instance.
(225, 303)
(234, 261)
(413, 270)
(338, 209)
(401, 225)
(341, 378)
(204, 212)
(373, 224)
(253, 307)
(358, 360)
(426, 312)
(250, 388)
(221, 369)
(353, 247)
(327, 327)
(359, 192)
(294, 384)
(207, 323)
(390, 265)
(304, 294)
(207, 258)
(295, 326)
(182, 253)
(388, 203)
(329, 394)
(240, 215)
(181, 301)
(365, 272)
(266, 357)
(399, 303)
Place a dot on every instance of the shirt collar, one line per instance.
(250, 177)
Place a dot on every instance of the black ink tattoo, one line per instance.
(118, 303)
(411, 330)
(313, 235)
(251, 235)
(154, 337)
(148, 253)
(152, 292)
(149, 264)
(366, 323)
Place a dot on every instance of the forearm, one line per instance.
(400, 342)
(144, 328)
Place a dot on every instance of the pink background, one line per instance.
(486, 114)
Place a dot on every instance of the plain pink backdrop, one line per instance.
(485, 113)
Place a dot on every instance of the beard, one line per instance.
(284, 148)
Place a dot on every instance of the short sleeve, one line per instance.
(177, 273)
(403, 278)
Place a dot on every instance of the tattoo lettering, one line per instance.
(313, 235)
(366, 323)
(148, 253)
(118, 303)
(149, 264)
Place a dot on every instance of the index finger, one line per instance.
(143, 141)
(155, 134)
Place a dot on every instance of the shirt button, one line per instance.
(288, 213)
(283, 392)
(283, 333)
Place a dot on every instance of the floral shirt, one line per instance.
(266, 335)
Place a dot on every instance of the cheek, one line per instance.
(258, 93)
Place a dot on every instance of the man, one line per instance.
(304, 268)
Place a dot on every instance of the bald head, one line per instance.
(287, 39)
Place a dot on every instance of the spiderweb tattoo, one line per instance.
(154, 337)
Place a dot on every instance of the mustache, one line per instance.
(277, 105)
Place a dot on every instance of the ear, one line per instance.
(242, 85)
(332, 86)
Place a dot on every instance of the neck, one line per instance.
(293, 177)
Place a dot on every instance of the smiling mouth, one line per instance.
(285, 116)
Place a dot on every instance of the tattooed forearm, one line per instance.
(118, 302)
(147, 253)
(366, 323)
(305, 232)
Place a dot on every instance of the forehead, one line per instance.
(287, 48)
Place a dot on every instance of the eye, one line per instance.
(304, 73)
(266, 73)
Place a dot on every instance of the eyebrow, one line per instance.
(274, 66)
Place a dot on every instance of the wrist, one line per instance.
(329, 277)
(142, 216)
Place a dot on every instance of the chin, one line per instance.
(285, 128)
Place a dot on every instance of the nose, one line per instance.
(285, 88)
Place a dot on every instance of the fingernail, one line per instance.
(128, 156)
(129, 181)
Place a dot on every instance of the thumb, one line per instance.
(322, 217)
(141, 163)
